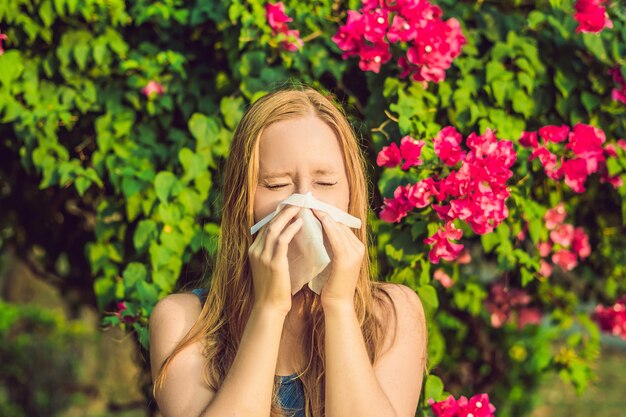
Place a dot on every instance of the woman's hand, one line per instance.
(268, 260)
(348, 252)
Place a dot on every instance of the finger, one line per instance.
(275, 228)
(285, 237)
(335, 235)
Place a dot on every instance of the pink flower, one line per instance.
(565, 259)
(276, 16)
(389, 156)
(529, 140)
(121, 308)
(3, 37)
(443, 248)
(575, 171)
(547, 158)
(555, 216)
(401, 30)
(445, 408)
(464, 257)
(348, 38)
(612, 319)
(554, 133)
(373, 56)
(563, 234)
(293, 41)
(277, 19)
(152, 88)
(419, 194)
(376, 24)
(580, 243)
(411, 149)
(546, 269)
(477, 406)
(502, 301)
(591, 16)
(619, 92)
(544, 248)
(443, 278)
(448, 146)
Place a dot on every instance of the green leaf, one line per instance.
(593, 42)
(232, 110)
(522, 103)
(613, 166)
(145, 232)
(12, 66)
(433, 388)
(163, 184)
(428, 296)
(192, 163)
(147, 293)
(134, 272)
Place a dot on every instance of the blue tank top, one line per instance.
(290, 391)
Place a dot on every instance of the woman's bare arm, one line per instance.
(245, 392)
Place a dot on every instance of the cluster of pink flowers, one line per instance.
(153, 88)
(567, 243)
(618, 93)
(432, 44)
(510, 305)
(476, 406)
(591, 16)
(3, 37)
(476, 193)
(278, 19)
(612, 319)
(584, 142)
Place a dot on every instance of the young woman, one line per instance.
(251, 348)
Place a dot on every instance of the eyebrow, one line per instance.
(271, 175)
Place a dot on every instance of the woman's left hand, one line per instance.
(348, 252)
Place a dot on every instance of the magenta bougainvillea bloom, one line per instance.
(612, 319)
(591, 16)
(443, 247)
(619, 92)
(3, 37)
(277, 19)
(568, 244)
(475, 193)
(409, 150)
(121, 307)
(431, 44)
(510, 305)
(443, 278)
(555, 216)
(153, 88)
(476, 406)
(584, 153)
(448, 146)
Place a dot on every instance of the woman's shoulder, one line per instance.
(405, 301)
(403, 297)
(176, 313)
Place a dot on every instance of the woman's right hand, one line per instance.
(268, 260)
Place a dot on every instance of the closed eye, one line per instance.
(326, 184)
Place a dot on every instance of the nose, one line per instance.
(303, 187)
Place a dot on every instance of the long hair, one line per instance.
(231, 294)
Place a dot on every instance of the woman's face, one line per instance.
(298, 156)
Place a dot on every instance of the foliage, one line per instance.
(128, 110)
(38, 353)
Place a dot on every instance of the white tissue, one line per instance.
(307, 254)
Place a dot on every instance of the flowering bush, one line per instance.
(498, 136)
